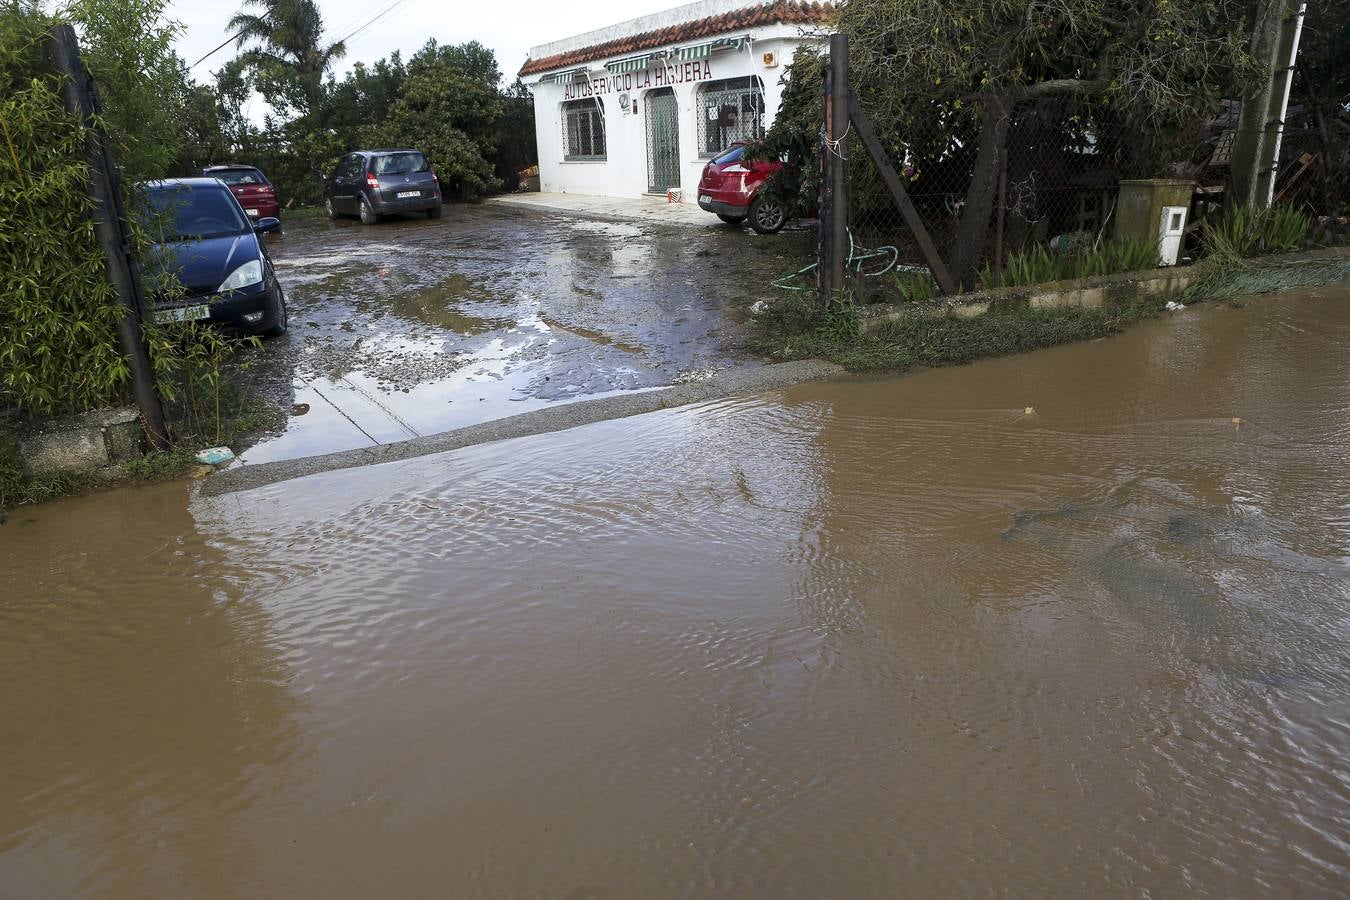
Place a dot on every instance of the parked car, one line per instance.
(207, 242)
(251, 186)
(375, 183)
(732, 187)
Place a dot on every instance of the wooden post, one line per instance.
(1002, 209)
(838, 129)
(80, 96)
(897, 188)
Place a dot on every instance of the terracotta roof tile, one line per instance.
(775, 13)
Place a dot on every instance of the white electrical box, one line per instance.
(1171, 229)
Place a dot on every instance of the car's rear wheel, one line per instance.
(328, 207)
(731, 220)
(368, 216)
(435, 211)
(768, 215)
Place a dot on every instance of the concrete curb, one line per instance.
(1084, 292)
(540, 421)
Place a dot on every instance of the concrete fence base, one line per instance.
(82, 443)
(1084, 292)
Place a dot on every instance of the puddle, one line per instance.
(414, 321)
(592, 336)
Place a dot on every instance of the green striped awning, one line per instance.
(631, 64)
(701, 51)
(569, 75)
(698, 51)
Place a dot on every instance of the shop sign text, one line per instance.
(664, 76)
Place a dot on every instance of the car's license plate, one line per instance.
(704, 198)
(403, 194)
(183, 314)
(252, 212)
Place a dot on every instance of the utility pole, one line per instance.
(81, 97)
(836, 132)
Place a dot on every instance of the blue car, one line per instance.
(207, 242)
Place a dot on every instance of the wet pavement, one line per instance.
(1068, 623)
(417, 326)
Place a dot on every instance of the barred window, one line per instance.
(583, 129)
(729, 111)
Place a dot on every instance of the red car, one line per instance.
(256, 194)
(731, 187)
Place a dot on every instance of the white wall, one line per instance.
(624, 172)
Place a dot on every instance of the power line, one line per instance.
(390, 7)
(395, 4)
(216, 50)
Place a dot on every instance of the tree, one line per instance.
(951, 72)
(364, 97)
(283, 48)
(1323, 79)
(1252, 142)
(516, 145)
(448, 107)
(144, 85)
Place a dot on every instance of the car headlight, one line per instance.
(248, 274)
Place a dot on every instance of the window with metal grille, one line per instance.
(729, 111)
(583, 129)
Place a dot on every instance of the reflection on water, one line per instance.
(859, 639)
(145, 710)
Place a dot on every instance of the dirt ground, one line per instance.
(415, 326)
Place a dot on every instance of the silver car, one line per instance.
(375, 183)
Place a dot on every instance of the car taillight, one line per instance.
(372, 182)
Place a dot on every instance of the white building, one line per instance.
(640, 107)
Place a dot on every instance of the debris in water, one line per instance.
(215, 456)
(1239, 421)
(1173, 306)
(1029, 411)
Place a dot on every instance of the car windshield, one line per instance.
(401, 164)
(240, 176)
(735, 154)
(183, 213)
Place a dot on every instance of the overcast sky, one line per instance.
(508, 27)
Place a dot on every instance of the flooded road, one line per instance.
(414, 327)
(1066, 623)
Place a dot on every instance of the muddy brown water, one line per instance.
(869, 638)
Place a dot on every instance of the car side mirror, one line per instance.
(266, 224)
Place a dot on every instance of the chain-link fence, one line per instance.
(1042, 173)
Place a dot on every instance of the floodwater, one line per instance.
(871, 638)
(414, 327)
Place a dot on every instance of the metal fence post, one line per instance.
(79, 93)
(825, 210)
(838, 130)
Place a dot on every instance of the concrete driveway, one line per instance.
(416, 326)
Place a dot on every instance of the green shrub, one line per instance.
(915, 286)
(1243, 231)
(1038, 264)
(58, 315)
